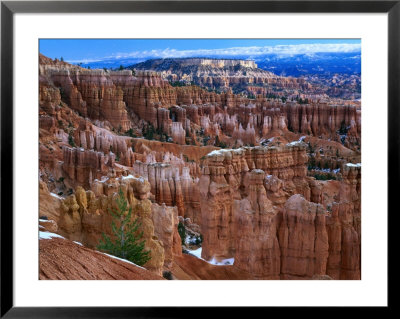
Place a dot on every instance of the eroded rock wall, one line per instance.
(86, 215)
(259, 207)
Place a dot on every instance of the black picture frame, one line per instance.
(9, 8)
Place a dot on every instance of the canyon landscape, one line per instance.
(229, 169)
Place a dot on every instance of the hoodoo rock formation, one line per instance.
(182, 112)
(260, 186)
(257, 208)
(85, 215)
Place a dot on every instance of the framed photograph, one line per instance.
(158, 155)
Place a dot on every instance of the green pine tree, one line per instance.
(127, 244)
(182, 232)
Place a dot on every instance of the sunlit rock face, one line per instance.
(227, 180)
(86, 215)
(259, 207)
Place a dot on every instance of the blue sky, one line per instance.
(92, 50)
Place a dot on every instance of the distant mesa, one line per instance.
(216, 63)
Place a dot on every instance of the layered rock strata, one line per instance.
(61, 259)
(178, 111)
(225, 178)
(259, 207)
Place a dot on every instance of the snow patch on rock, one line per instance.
(56, 196)
(124, 260)
(48, 235)
(353, 165)
(225, 262)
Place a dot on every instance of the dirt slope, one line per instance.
(65, 260)
(188, 267)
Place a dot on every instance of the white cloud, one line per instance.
(254, 51)
(251, 52)
(85, 60)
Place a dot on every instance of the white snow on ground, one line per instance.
(218, 152)
(103, 179)
(76, 242)
(127, 261)
(190, 240)
(47, 235)
(140, 179)
(196, 253)
(336, 170)
(225, 262)
(353, 165)
(40, 226)
(325, 170)
(126, 177)
(45, 220)
(258, 171)
(301, 139)
(222, 151)
(294, 143)
(56, 196)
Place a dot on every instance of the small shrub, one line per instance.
(311, 163)
(343, 128)
(148, 132)
(167, 275)
(219, 143)
(71, 140)
(310, 148)
(130, 133)
(324, 177)
(182, 232)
